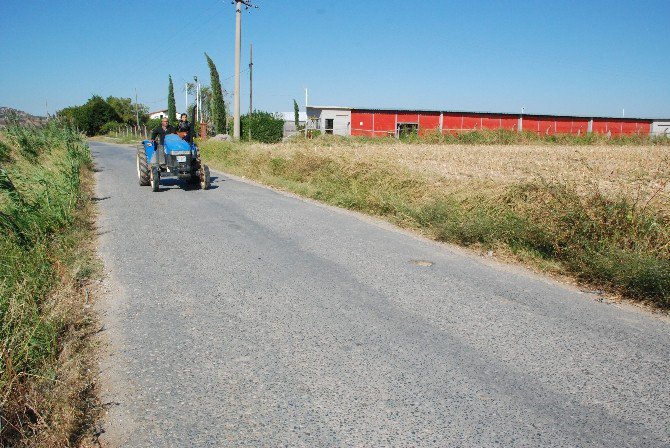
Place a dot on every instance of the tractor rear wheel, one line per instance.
(204, 177)
(143, 174)
(155, 179)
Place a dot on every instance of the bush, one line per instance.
(92, 116)
(110, 126)
(153, 123)
(262, 127)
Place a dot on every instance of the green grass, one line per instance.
(611, 242)
(43, 264)
(510, 137)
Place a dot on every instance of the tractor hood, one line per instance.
(174, 143)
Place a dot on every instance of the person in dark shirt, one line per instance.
(185, 126)
(162, 130)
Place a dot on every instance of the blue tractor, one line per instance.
(177, 158)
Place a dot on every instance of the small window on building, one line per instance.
(330, 124)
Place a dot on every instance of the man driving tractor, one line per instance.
(162, 130)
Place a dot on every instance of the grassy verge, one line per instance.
(511, 137)
(599, 214)
(46, 260)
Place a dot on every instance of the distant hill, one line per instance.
(6, 114)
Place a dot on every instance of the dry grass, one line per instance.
(636, 172)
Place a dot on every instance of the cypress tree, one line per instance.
(218, 107)
(172, 108)
(296, 113)
(194, 124)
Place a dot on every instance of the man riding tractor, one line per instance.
(162, 130)
(185, 129)
(170, 156)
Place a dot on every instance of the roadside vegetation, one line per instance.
(595, 210)
(46, 261)
(101, 116)
(511, 137)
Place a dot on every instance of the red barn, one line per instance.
(394, 122)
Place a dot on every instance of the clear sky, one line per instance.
(587, 57)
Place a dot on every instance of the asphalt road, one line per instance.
(241, 316)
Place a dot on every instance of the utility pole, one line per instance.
(238, 43)
(251, 78)
(238, 50)
(186, 97)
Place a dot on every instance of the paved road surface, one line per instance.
(245, 317)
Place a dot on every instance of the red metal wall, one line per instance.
(361, 123)
(453, 122)
(621, 126)
(382, 123)
(429, 122)
(555, 125)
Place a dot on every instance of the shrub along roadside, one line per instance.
(262, 127)
(610, 242)
(45, 262)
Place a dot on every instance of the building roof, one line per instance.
(332, 107)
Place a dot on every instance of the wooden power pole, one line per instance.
(238, 47)
(251, 78)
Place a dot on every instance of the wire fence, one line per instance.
(130, 131)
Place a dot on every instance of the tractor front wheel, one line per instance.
(204, 177)
(143, 174)
(155, 179)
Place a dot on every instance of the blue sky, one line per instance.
(565, 57)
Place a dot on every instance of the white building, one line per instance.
(331, 119)
(660, 127)
(161, 114)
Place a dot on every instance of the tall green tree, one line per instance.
(296, 114)
(194, 122)
(172, 107)
(91, 116)
(218, 107)
(127, 109)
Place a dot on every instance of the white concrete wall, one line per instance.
(660, 128)
(160, 114)
(341, 119)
